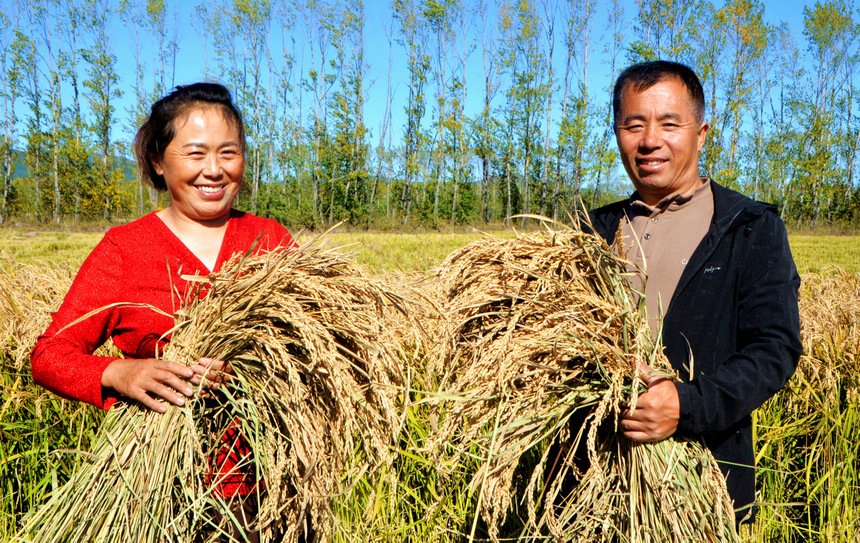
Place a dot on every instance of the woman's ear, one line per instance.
(156, 164)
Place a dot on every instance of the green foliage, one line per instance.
(782, 108)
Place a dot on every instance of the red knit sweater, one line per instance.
(140, 263)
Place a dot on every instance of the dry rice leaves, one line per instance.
(541, 332)
(364, 429)
(315, 393)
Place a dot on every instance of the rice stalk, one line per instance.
(41, 435)
(808, 435)
(315, 389)
(314, 395)
(29, 293)
(543, 332)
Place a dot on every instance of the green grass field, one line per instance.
(383, 252)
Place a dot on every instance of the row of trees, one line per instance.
(488, 109)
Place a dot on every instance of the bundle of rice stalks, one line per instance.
(313, 394)
(543, 349)
(808, 435)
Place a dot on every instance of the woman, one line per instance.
(192, 145)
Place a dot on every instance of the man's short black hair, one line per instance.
(647, 74)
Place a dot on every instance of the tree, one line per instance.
(439, 17)
(384, 154)
(485, 125)
(742, 40)
(76, 150)
(412, 38)
(252, 18)
(10, 76)
(40, 15)
(463, 198)
(25, 57)
(605, 151)
(663, 28)
(574, 130)
(550, 9)
(104, 89)
(319, 23)
(524, 61)
(348, 177)
(832, 36)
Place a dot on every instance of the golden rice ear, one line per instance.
(315, 393)
(536, 330)
(439, 406)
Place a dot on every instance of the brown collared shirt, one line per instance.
(659, 241)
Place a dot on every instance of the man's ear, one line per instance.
(702, 135)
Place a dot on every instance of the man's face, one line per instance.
(660, 139)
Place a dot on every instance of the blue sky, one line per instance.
(191, 54)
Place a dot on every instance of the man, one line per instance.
(719, 280)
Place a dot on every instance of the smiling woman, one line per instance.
(192, 145)
(194, 148)
(202, 168)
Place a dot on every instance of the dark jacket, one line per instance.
(732, 325)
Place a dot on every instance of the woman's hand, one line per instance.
(147, 379)
(212, 373)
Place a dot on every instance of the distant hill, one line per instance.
(129, 167)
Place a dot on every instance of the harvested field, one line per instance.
(460, 454)
(402, 252)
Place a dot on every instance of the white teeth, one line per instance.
(209, 189)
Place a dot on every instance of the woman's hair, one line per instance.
(158, 130)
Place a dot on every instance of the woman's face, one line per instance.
(203, 165)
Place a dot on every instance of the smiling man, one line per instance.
(715, 267)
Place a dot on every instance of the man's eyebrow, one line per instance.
(632, 117)
(670, 116)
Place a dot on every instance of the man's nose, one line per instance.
(650, 137)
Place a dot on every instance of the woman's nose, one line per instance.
(212, 168)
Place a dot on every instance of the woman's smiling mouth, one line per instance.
(206, 189)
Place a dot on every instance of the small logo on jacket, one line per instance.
(712, 269)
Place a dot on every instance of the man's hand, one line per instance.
(146, 379)
(657, 411)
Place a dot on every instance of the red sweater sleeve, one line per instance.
(140, 263)
(62, 360)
